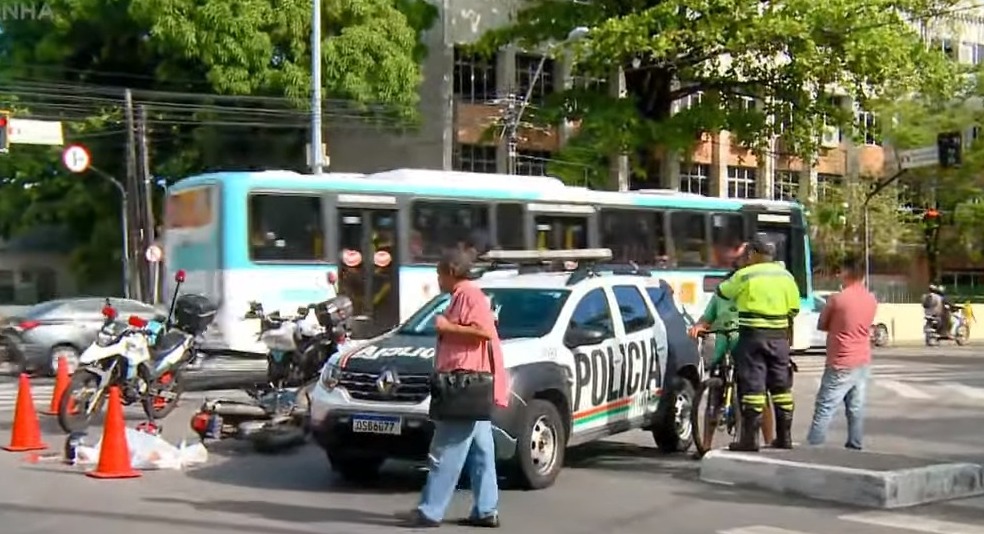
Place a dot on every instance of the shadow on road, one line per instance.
(631, 458)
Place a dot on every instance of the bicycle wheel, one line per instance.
(707, 416)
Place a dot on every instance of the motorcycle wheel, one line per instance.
(963, 335)
(163, 395)
(76, 409)
(932, 340)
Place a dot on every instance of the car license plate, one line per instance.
(377, 424)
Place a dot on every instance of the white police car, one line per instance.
(587, 355)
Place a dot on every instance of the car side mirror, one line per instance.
(584, 335)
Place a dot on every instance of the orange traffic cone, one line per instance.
(26, 434)
(114, 454)
(61, 384)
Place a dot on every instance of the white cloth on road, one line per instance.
(149, 452)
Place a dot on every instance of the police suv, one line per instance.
(588, 355)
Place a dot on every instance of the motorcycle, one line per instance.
(959, 331)
(297, 350)
(145, 361)
(879, 335)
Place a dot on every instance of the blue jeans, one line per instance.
(455, 446)
(840, 385)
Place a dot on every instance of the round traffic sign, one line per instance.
(154, 254)
(76, 158)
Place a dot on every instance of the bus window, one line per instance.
(637, 236)
(689, 238)
(438, 226)
(285, 228)
(509, 221)
(558, 232)
(727, 236)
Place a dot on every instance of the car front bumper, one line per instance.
(333, 413)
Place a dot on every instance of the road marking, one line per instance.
(761, 529)
(966, 391)
(902, 390)
(912, 523)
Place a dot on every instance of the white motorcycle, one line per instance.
(144, 360)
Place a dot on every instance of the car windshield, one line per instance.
(521, 312)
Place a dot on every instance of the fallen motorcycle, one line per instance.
(275, 416)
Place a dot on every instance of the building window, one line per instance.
(695, 178)
(588, 82)
(474, 77)
(976, 53)
(543, 85)
(963, 282)
(689, 101)
(474, 158)
(826, 184)
(869, 131)
(532, 162)
(786, 186)
(947, 47)
(741, 182)
(286, 228)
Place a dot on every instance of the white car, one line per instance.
(587, 353)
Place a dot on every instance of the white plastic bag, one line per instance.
(149, 452)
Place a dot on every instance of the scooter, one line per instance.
(276, 416)
(959, 330)
(144, 360)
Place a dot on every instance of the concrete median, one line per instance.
(859, 478)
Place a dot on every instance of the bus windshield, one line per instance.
(521, 312)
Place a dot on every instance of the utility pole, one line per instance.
(132, 187)
(148, 196)
(317, 154)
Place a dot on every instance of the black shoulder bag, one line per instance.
(463, 395)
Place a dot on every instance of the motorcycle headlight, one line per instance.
(330, 375)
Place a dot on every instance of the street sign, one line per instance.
(76, 158)
(154, 254)
(32, 132)
(927, 156)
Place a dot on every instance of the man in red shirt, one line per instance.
(465, 333)
(847, 319)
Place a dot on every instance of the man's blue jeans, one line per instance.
(840, 385)
(457, 445)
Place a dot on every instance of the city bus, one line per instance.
(287, 239)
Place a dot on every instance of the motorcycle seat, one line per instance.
(168, 342)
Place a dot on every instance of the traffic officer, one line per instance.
(767, 299)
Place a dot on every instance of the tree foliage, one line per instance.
(257, 51)
(787, 55)
(958, 194)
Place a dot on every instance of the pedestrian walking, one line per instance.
(469, 383)
(847, 320)
(767, 299)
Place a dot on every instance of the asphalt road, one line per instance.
(615, 486)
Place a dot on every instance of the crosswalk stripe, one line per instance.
(760, 529)
(902, 390)
(967, 391)
(912, 523)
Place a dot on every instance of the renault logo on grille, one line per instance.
(387, 382)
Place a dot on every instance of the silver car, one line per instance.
(33, 341)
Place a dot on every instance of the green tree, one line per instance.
(786, 55)
(254, 55)
(956, 194)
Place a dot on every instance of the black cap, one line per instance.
(760, 245)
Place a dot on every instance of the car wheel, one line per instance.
(352, 468)
(540, 447)
(673, 430)
(68, 352)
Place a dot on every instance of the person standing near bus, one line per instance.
(767, 299)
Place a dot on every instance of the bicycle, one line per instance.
(722, 412)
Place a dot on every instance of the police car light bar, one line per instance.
(536, 256)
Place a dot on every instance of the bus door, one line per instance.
(368, 266)
(558, 227)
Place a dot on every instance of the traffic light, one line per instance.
(4, 138)
(949, 146)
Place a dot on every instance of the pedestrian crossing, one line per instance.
(874, 522)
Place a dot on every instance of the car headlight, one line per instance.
(330, 375)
